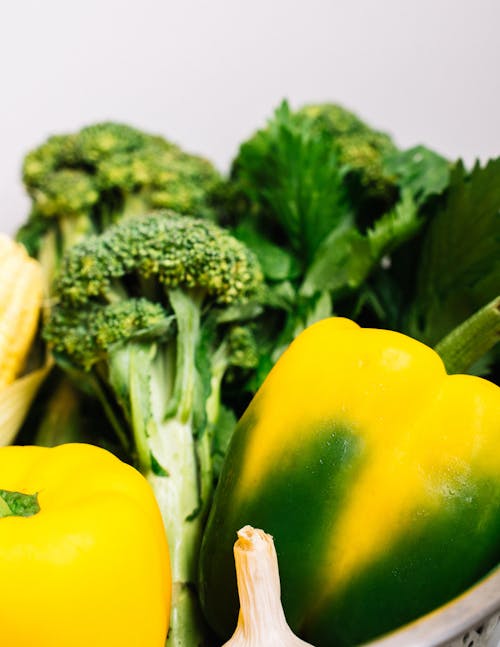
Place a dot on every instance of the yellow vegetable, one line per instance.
(377, 474)
(83, 554)
(21, 293)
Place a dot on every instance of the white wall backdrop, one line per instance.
(207, 73)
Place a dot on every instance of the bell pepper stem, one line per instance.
(469, 341)
(5, 511)
(18, 504)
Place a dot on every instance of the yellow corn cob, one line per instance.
(21, 292)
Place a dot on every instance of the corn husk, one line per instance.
(16, 400)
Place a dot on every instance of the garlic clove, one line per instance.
(261, 620)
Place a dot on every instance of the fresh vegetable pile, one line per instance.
(170, 294)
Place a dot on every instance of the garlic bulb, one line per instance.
(261, 621)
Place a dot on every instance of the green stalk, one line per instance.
(73, 229)
(5, 511)
(49, 258)
(18, 504)
(187, 308)
(178, 496)
(134, 204)
(162, 421)
(219, 366)
(469, 341)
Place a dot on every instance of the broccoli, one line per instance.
(151, 312)
(82, 183)
(236, 350)
(362, 152)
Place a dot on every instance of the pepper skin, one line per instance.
(378, 476)
(91, 567)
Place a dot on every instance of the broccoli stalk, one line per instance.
(238, 348)
(136, 308)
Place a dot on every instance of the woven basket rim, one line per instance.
(450, 621)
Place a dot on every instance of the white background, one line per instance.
(207, 73)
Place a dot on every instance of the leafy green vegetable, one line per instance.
(459, 266)
(323, 200)
(289, 181)
(420, 170)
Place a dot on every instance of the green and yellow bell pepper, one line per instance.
(378, 476)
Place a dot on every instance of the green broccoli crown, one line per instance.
(105, 164)
(59, 151)
(98, 141)
(178, 251)
(85, 336)
(172, 179)
(360, 149)
(333, 118)
(68, 191)
(114, 287)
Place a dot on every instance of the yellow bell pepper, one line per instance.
(83, 553)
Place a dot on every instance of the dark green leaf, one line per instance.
(459, 268)
(276, 262)
(293, 182)
(347, 257)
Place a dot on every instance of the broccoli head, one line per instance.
(82, 183)
(361, 150)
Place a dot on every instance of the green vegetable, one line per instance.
(361, 153)
(149, 314)
(323, 200)
(82, 183)
(459, 265)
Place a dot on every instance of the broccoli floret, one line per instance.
(305, 170)
(59, 151)
(83, 183)
(69, 191)
(98, 141)
(137, 310)
(157, 176)
(361, 151)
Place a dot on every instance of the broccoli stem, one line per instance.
(56, 241)
(134, 204)
(219, 365)
(172, 458)
(178, 496)
(187, 308)
(73, 229)
(49, 258)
